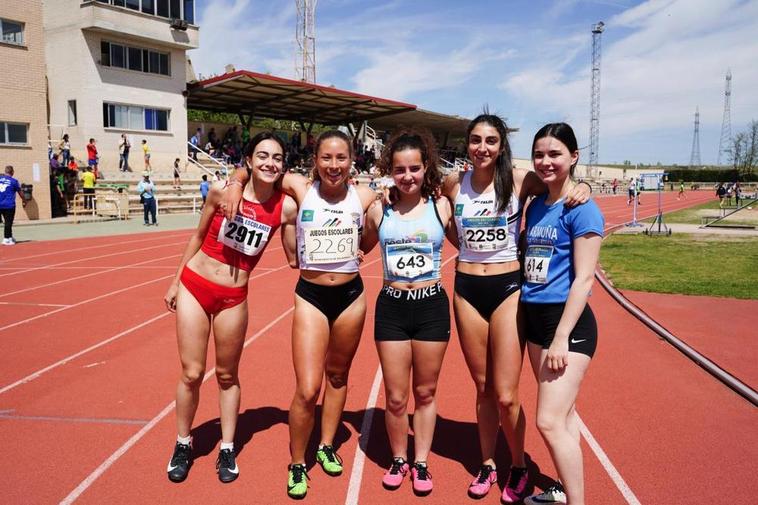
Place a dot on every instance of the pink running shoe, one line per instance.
(395, 475)
(422, 479)
(515, 488)
(484, 480)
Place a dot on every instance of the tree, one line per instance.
(743, 149)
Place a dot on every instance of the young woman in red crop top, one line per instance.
(210, 288)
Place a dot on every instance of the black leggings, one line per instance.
(8, 215)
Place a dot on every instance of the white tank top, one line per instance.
(484, 235)
(328, 234)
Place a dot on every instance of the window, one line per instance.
(118, 3)
(72, 113)
(162, 8)
(175, 11)
(13, 133)
(12, 32)
(134, 58)
(134, 117)
(148, 6)
(189, 11)
(133, 4)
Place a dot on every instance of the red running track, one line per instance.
(89, 366)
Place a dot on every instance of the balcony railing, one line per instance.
(169, 9)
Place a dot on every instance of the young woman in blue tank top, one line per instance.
(488, 203)
(563, 245)
(412, 318)
(330, 305)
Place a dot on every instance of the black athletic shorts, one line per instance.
(330, 300)
(417, 314)
(486, 292)
(542, 320)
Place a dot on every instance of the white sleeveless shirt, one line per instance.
(328, 234)
(484, 235)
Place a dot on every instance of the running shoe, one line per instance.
(226, 466)
(297, 486)
(180, 463)
(484, 480)
(422, 479)
(329, 460)
(395, 475)
(515, 488)
(553, 494)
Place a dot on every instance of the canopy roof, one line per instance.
(438, 124)
(262, 95)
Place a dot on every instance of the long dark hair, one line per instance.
(418, 139)
(503, 164)
(562, 132)
(253, 143)
(324, 136)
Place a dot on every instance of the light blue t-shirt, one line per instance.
(9, 186)
(549, 260)
(143, 187)
(205, 186)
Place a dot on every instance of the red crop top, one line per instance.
(241, 242)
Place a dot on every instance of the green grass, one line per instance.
(710, 265)
(693, 215)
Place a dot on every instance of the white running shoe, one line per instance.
(553, 494)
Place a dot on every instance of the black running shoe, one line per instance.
(226, 466)
(180, 463)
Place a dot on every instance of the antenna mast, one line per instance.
(695, 155)
(305, 36)
(726, 123)
(597, 30)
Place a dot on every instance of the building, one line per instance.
(119, 66)
(23, 115)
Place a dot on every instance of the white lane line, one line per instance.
(614, 474)
(56, 419)
(99, 272)
(356, 476)
(35, 304)
(12, 325)
(36, 374)
(128, 251)
(91, 478)
(65, 360)
(89, 248)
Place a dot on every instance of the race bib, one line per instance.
(244, 235)
(485, 233)
(410, 261)
(332, 244)
(537, 263)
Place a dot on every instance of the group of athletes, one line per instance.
(510, 293)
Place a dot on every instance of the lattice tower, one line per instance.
(597, 30)
(695, 155)
(305, 37)
(726, 122)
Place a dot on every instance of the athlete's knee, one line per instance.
(307, 394)
(508, 399)
(424, 395)
(548, 424)
(397, 403)
(192, 376)
(226, 378)
(337, 378)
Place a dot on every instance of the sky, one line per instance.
(526, 60)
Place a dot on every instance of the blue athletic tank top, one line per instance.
(411, 249)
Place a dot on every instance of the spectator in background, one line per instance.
(146, 155)
(212, 138)
(737, 193)
(93, 158)
(216, 176)
(123, 153)
(65, 149)
(9, 187)
(205, 186)
(54, 164)
(721, 193)
(195, 141)
(72, 165)
(146, 190)
(177, 180)
(729, 193)
(88, 187)
(615, 185)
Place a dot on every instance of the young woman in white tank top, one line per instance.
(487, 205)
(330, 306)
